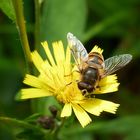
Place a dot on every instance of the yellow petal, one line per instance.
(97, 49)
(37, 60)
(68, 56)
(33, 81)
(47, 70)
(59, 54)
(66, 111)
(110, 107)
(67, 62)
(108, 80)
(107, 85)
(76, 73)
(38, 82)
(81, 115)
(96, 106)
(91, 107)
(58, 50)
(53, 76)
(58, 77)
(34, 93)
(48, 53)
(107, 88)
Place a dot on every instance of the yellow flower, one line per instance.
(56, 78)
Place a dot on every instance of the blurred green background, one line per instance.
(114, 25)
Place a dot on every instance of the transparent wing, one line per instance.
(77, 49)
(115, 63)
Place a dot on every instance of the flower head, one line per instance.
(57, 78)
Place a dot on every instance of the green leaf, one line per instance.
(33, 117)
(61, 17)
(7, 7)
(17, 123)
(23, 129)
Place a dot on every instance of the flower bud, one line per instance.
(46, 122)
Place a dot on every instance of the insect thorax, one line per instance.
(90, 75)
(89, 79)
(96, 58)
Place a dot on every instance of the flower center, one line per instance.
(70, 93)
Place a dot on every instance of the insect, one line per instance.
(92, 67)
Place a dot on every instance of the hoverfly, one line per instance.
(92, 67)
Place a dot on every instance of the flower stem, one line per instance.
(37, 24)
(20, 22)
(57, 131)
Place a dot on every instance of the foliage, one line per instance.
(7, 7)
(113, 25)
